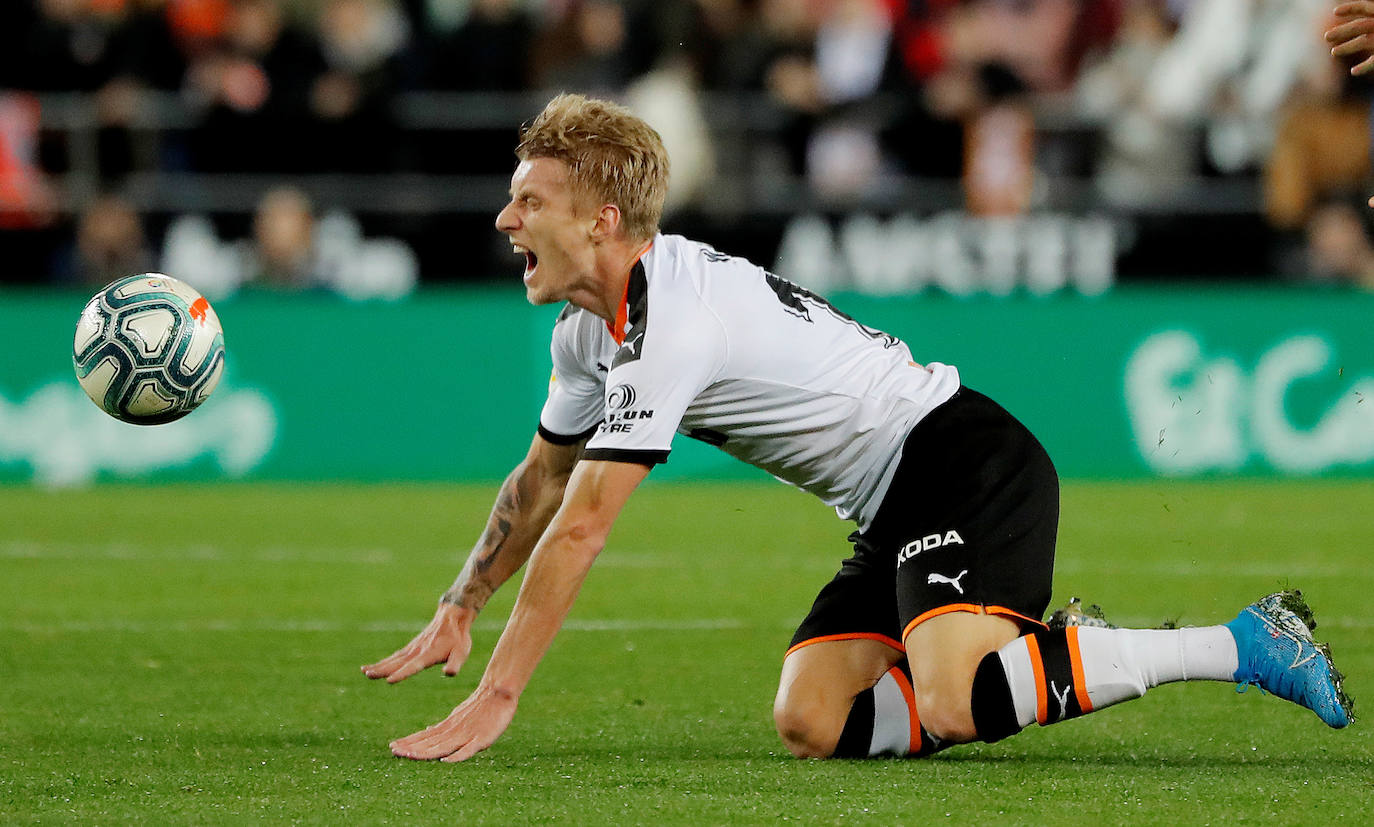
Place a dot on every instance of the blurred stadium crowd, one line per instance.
(365, 144)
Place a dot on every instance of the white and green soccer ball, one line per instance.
(149, 349)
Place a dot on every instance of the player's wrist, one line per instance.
(459, 603)
(503, 691)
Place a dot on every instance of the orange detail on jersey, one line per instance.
(847, 636)
(621, 317)
(1080, 686)
(971, 608)
(198, 308)
(1042, 711)
(1002, 611)
(617, 329)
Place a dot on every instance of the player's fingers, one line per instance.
(433, 746)
(474, 745)
(413, 753)
(435, 736)
(381, 668)
(426, 752)
(403, 749)
(404, 746)
(461, 755)
(455, 661)
(409, 668)
(466, 751)
(444, 737)
(1364, 67)
(387, 665)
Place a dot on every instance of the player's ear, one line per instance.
(607, 223)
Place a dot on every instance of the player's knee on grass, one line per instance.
(807, 727)
(944, 653)
(943, 686)
(946, 713)
(819, 688)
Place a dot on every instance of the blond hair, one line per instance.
(613, 157)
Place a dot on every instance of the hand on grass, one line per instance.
(474, 725)
(1351, 37)
(447, 639)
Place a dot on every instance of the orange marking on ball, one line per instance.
(198, 308)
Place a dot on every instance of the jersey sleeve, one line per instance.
(576, 400)
(657, 373)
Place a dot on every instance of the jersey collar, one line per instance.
(618, 328)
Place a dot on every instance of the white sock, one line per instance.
(894, 715)
(1107, 666)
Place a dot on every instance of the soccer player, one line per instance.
(931, 633)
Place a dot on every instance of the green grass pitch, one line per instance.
(191, 653)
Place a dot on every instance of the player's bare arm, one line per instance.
(596, 494)
(1354, 35)
(527, 501)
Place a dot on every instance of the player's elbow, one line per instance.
(589, 536)
(586, 538)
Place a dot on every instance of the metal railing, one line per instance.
(744, 130)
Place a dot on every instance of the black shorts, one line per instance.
(968, 524)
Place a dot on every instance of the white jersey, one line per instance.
(714, 347)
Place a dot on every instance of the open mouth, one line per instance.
(531, 260)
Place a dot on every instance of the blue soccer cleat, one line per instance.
(1277, 654)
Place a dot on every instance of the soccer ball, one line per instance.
(148, 349)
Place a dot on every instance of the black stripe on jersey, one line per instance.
(566, 439)
(798, 301)
(636, 316)
(567, 312)
(637, 456)
(708, 436)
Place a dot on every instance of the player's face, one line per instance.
(546, 227)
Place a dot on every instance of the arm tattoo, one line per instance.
(474, 586)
